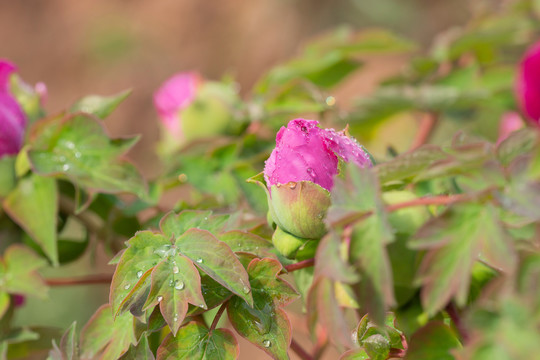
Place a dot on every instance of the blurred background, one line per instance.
(106, 46)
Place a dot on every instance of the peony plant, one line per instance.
(299, 176)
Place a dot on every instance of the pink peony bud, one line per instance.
(12, 117)
(305, 152)
(173, 96)
(299, 176)
(528, 83)
(510, 122)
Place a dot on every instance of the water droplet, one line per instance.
(203, 306)
(70, 145)
(291, 185)
(179, 285)
(199, 261)
(206, 218)
(320, 215)
(330, 101)
(78, 154)
(267, 343)
(159, 298)
(303, 128)
(246, 290)
(127, 286)
(175, 270)
(175, 319)
(65, 167)
(61, 158)
(139, 274)
(171, 282)
(311, 172)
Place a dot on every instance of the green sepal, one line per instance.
(287, 244)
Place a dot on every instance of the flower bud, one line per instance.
(510, 122)
(12, 118)
(191, 109)
(528, 83)
(299, 176)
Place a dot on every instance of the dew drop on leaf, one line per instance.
(159, 298)
(139, 274)
(127, 286)
(199, 261)
(175, 319)
(179, 285)
(65, 167)
(266, 343)
(246, 290)
(175, 270)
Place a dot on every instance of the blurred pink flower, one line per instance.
(528, 83)
(305, 152)
(510, 122)
(173, 96)
(12, 117)
(18, 300)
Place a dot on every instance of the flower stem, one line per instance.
(82, 280)
(453, 312)
(431, 200)
(427, 124)
(218, 316)
(299, 350)
(300, 265)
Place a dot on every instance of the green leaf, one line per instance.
(242, 241)
(18, 273)
(322, 307)
(330, 263)
(175, 282)
(7, 174)
(265, 324)
(433, 341)
(144, 252)
(357, 194)
(377, 347)
(34, 206)
(174, 225)
(107, 338)
(78, 148)
(518, 143)
(195, 341)
(217, 260)
(408, 165)
(4, 303)
(357, 354)
(140, 352)
(455, 240)
(214, 294)
(69, 347)
(100, 106)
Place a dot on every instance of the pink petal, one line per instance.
(174, 95)
(6, 69)
(346, 148)
(12, 125)
(528, 83)
(301, 154)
